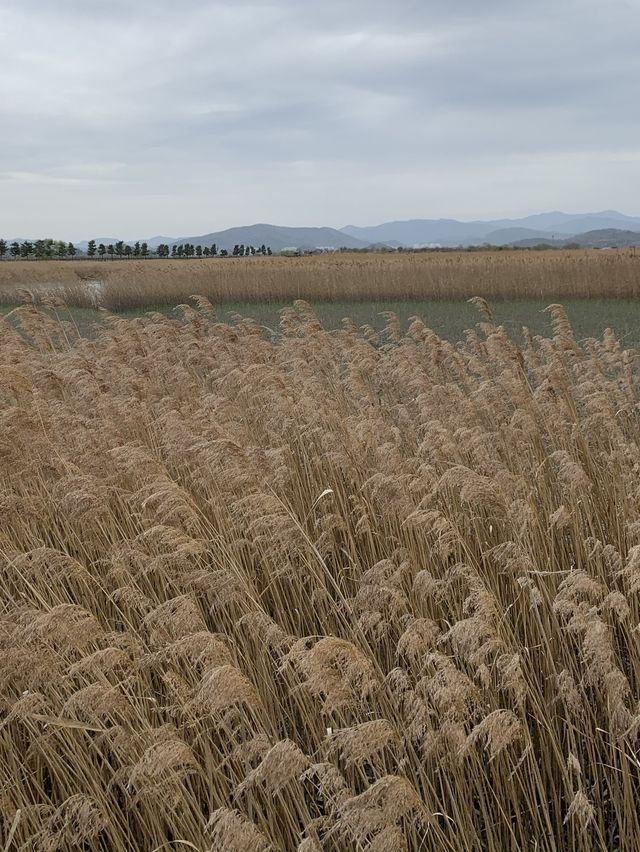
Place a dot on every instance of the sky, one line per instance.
(133, 119)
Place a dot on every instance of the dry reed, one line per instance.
(121, 285)
(317, 592)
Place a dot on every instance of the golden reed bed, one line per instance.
(119, 285)
(325, 592)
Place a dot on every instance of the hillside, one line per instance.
(275, 236)
(452, 232)
(600, 238)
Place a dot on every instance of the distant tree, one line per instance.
(224, 253)
(119, 247)
(263, 249)
(236, 250)
(3, 248)
(45, 248)
(198, 251)
(180, 251)
(144, 250)
(61, 250)
(111, 250)
(102, 249)
(26, 248)
(214, 250)
(206, 251)
(174, 251)
(14, 249)
(91, 248)
(269, 252)
(71, 250)
(136, 249)
(128, 251)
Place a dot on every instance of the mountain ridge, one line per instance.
(410, 233)
(453, 232)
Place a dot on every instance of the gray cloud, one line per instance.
(132, 119)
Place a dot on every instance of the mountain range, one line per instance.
(554, 228)
(451, 232)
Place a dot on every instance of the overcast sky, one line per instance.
(130, 119)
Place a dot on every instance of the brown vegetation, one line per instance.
(118, 285)
(326, 592)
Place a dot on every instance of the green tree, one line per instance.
(128, 251)
(214, 250)
(174, 251)
(119, 247)
(269, 252)
(14, 249)
(102, 249)
(224, 253)
(61, 249)
(111, 250)
(71, 250)
(91, 248)
(136, 249)
(3, 248)
(198, 251)
(206, 251)
(144, 250)
(180, 251)
(26, 248)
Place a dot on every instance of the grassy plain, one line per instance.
(328, 591)
(451, 276)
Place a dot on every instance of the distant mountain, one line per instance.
(275, 236)
(554, 228)
(82, 246)
(600, 238)
(508, 236)
(423, 232)
(452, 232)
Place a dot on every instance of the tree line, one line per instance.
(59, 249)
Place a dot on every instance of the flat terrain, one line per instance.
(280, 581)
(449, 319)
(598, 289)
(118, 285)
(311, 592)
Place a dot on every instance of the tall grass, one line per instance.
(120, 285)
(332, 591)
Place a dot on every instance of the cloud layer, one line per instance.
(130, 119)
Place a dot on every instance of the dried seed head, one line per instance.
(223, 687)
(580, 810)
(500, 729)
(232, 831)
(364, 742)
(282, 765)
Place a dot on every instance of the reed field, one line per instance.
(350, 277)
(319, 590)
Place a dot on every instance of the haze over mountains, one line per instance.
(451, 232)
(608, 227)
